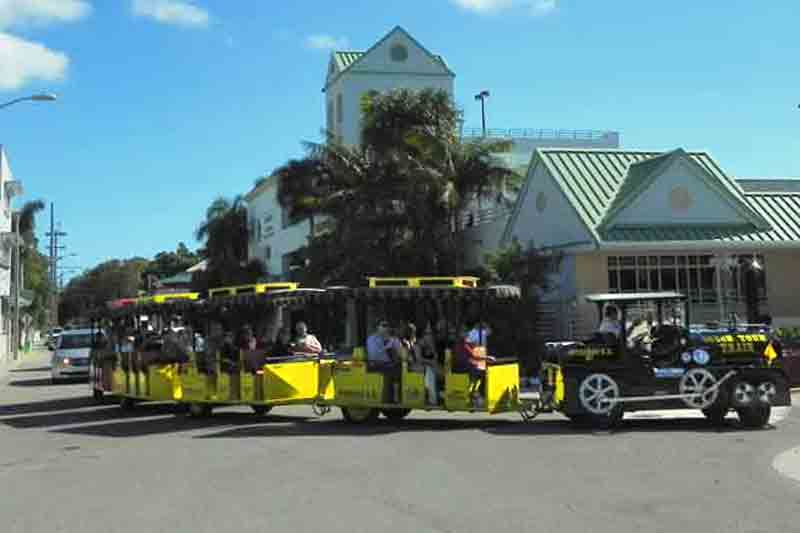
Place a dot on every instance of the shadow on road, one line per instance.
(660, 425)
(45, 406)
(85, 416)
(39, 369)
(175, 424)
(338, 427)
(46, 382)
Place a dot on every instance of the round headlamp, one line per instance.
(686, 357)
(701, 357)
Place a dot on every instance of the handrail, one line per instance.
(541, 133)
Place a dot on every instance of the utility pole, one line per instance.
(482, 96)
(54, 248)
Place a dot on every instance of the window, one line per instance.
(267, 254)
(398, 53)
(693, 275)
(339, 110)
(330, 116)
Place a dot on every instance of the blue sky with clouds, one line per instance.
(164, 104)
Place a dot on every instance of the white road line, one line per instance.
(778, 414)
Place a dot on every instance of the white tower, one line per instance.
(397, 61)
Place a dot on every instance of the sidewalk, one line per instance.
(7, 363)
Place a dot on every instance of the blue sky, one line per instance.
(165, 104)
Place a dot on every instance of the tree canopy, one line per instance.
(395, 203)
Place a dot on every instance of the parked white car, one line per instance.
(71, 356)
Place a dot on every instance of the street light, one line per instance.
(15, 333)
(482, 96)
(43, 97)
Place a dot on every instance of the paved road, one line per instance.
(69, 465)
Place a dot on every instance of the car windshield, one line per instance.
(81, 340)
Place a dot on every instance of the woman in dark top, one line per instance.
(283, 345)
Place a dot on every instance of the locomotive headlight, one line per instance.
(686, 357)
(701, 357)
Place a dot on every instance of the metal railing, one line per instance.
(532, 133)
(482, 216)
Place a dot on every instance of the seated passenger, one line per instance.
(467, 359)
(283, 345)
(408, 340)
(247, 340)
(480, 334)
(434, 379)
(228, 354)
(305, 342)
(382, 356)
(610, 323)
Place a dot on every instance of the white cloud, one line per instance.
(24, 61)
(38, 12)
(177, 12)
(323, 41)
(535, 7)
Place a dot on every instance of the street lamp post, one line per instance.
(44, 97)
(482, 96)
(15, 329)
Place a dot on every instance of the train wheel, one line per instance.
(98, 396)
(200, 410)
(126, 403)
(261, 410)
(359, 415)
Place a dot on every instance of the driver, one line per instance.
(610, 323)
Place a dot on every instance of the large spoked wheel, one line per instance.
(200, 410)
(395, 414)
(598, 395)
(743, 394)
(359, 415)
(126, 403)
(702, 385)
(755, 416)
(261, 410)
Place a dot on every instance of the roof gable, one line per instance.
(672, 189)
(592, 179)
(377, 58)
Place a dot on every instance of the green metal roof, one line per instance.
(598, 182)
(178, 279)
(344, 60)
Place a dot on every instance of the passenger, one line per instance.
(382, 356)
(430, 365)
(305, 342)
(283, 345)
(467, 359)
(246, 339)
(480, 333)
(408, 340)
(610, 323)
(228, 354)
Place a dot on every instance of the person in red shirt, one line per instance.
(467, 359)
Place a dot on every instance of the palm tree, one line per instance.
(26, 222)
(224, 231)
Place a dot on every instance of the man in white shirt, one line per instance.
(305, 342)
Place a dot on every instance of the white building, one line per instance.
(397, 61)
(9, 188)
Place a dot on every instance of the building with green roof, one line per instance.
(633, 221)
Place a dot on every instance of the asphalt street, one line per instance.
(67, 464)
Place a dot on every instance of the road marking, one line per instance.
(788, 463)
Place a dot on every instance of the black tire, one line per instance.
(261, 410)
(126, 403)
(55, 381)
(200, 410)
(756, 416)
(609, 421)
(98, 396)
(395, 414)
(359, 415)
